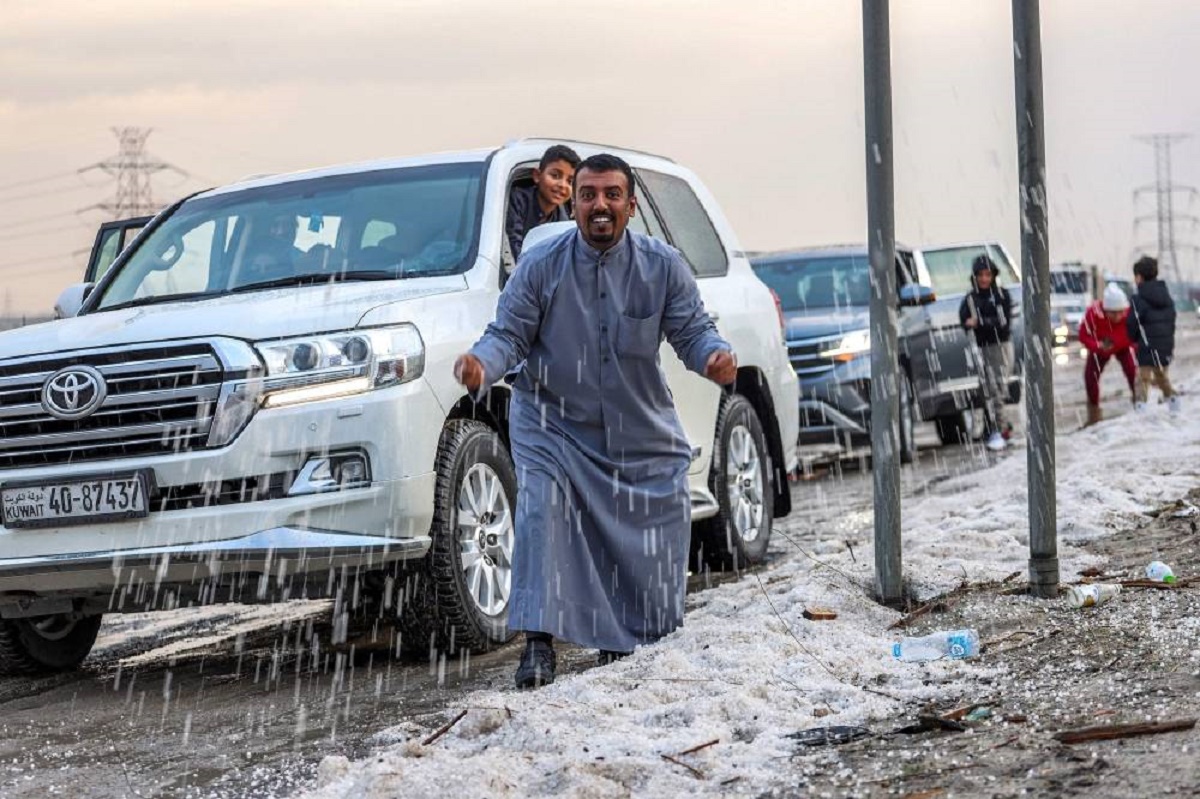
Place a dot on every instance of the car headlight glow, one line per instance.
(315, 368)
(849, 346)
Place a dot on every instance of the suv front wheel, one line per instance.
(44, 644)
(462, 600)
(740, 479)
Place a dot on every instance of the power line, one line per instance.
(33, 220)
(39, 260)
(42, 232)
(47, 193)
(34, 181)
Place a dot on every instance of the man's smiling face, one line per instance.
(604, 204)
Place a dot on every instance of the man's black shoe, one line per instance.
(537, 664)
(609, 656)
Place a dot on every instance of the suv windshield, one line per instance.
(950, 268)
(382, 225)
(821, 282)
(1068, 282)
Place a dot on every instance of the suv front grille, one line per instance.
(160, 400)
(805, 357)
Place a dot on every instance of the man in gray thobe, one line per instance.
(603, 515)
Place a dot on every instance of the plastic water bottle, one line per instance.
(954, 644)
(1160, 572)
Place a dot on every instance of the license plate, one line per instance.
(79, 500)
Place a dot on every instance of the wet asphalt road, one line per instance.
(237, 702)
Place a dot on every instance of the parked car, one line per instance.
(825, 294)
(256, 403)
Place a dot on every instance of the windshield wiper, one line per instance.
(154, 300)
(313, 278)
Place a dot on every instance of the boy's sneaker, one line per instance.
(996, 442)
(537, 664)
(1173, 404)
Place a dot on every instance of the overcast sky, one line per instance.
(763, 98)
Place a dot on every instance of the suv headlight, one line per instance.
(849, 346)
(333, 365)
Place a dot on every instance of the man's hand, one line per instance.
(721, 367)
(971, 322)
(469, 372)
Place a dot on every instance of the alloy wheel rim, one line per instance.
(744, 482)
(485, 538)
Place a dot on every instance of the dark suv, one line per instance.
(825, 294)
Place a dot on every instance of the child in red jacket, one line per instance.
(1104, 333)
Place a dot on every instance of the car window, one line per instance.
(802, 283)
(686, 222)
(110, 246)
(408, 222)
(950, 267)
(189, 257)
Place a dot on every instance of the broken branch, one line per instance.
(697, 773)
(695, 749)
(445, 729)
(1108, 732)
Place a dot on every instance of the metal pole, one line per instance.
(1035, 279)
(877, 77)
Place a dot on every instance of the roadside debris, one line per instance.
(830, 736)
(1085, 596)
(930, 723)
(1160, 572)
(1108, 732)
(954, 644)
(819, 614)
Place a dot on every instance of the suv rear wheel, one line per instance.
(907, 419)
(740, 479)
(44, 644)
(957, 428)
(462, 598)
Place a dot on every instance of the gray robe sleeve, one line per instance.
(686, 324)
(506, 341)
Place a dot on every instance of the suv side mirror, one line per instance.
(914, 294)
(71, 300)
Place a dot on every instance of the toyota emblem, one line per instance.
(74, 392)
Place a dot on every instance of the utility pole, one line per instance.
(132, 167)
(1164, 190)
(881, 243)
(1035, 284)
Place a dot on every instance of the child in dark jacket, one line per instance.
(987, 312)
(1152, 329)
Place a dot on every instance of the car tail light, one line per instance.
(779, 313)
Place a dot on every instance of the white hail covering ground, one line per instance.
(735, 673)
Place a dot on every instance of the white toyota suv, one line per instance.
(256, 403)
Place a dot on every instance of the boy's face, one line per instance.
(1137, 279)
(554, 182)
(1114, 316)
(983, 279)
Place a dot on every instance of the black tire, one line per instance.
(442, 613)
(717, 542)
(45, 644)
(907, 420)
(958, 428)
